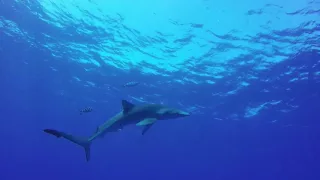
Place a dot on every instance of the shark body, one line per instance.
(141, 115)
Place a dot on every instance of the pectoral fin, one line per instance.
(147, 123)
(146, 128)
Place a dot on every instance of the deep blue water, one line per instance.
(249, 74)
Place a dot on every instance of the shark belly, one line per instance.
(115, 123)
(111, 125)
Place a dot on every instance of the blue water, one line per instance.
(248, 72)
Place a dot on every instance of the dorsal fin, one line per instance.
(126, 106)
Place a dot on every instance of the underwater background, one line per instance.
(247, 71)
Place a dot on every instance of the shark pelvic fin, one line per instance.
(126, 106)
(97, 129)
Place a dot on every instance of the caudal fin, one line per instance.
(85, 143)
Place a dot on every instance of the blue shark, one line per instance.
(140, 115)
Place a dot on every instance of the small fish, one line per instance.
(131, 84)
(86, 110)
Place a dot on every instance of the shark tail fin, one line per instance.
(85, 143)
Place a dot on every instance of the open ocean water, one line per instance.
(247, 71)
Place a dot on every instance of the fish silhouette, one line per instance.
(131, 84)
(85, 110)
